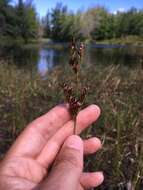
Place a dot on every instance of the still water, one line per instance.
(43, 58)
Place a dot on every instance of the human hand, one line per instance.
(47, 142)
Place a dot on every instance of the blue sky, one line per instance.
(113, 5)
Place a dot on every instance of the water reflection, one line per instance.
(50, 57)
(122, 55)
(42, 59)
(45, 61)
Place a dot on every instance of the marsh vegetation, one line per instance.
(29, 87)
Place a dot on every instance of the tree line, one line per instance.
(96, 23)
(61, 24)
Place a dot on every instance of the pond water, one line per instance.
(42, 58)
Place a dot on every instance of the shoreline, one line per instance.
(129, 40)
(126, 41)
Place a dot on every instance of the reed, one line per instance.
(75, 95)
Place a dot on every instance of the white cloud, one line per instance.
(121, 10)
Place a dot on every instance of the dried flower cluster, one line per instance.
(76, 55)
(75, 96)
(75, 103)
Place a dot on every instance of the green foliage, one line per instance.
(7, 19)
(58, 18)
(62, 24)
(26, 19)
(129, 23)
(103, 24)
(46, 25)
(19, 21)
(96, 23)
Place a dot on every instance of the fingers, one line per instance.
(92, 145)
(84, 119)
(68, 166)
(35, 136)
(49, 153)
(90, 180)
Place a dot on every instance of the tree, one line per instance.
(103, 23)
(87, 23)
(139, 24)
(57, 19)
(26, 20)
(129, 23)
(64, 24)
(18, 21)
(7, 19)
(60, 24)
(46, 25)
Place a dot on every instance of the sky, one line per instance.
(112, 5)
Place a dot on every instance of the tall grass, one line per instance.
(116, 89)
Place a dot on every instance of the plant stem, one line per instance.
(74, 129)
(77, 88)
(77, 83)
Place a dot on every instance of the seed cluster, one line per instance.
(75, 103)
(76, 55)
(75, 96)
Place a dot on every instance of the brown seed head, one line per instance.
(83, 95)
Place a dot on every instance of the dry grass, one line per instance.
(116, 89)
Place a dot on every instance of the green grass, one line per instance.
(128, 40)
(8, 41)
(116, 89)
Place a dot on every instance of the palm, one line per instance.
(25, 172)
(28, 160)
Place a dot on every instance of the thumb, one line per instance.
(68, 166)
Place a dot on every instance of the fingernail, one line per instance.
(96, 108)
(74, 142)
(97, 142)
(100, 176)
